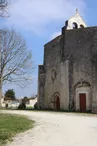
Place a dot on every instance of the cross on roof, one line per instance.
(77, 10)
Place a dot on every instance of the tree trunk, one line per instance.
(0, 93)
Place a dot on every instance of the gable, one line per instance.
(75, 22)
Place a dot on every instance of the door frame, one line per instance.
(54, 101)
(87, 91)
(57, 102)
(82, 98)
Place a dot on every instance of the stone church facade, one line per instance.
(67, 80)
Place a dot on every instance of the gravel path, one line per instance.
(57, 129)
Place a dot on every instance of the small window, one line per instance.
(75, 26)
(81, 26)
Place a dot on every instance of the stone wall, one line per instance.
(41, 85)
(81, 44)
(52, 70)
(70, 68)
(64, 85)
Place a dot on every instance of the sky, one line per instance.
(39, 21)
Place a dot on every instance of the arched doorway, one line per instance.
(57, 103)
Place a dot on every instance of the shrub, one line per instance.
(36, 106)
(22, 106)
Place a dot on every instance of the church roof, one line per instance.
(57, 39)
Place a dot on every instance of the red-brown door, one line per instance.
(57, 103)
(82, 102)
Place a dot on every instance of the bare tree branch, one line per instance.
(15, 59)
(4, 8)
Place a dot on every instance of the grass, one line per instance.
(10, 125)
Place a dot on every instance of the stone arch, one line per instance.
(82, 83)
(56, 101)
(81, 26)
(83, 98)
(75, 25)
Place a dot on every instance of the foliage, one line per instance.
(22, 106)
(10, 94)
(25, 100)
(6, 105)
(36, 106)
(10, 125)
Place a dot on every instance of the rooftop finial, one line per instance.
(77, 10)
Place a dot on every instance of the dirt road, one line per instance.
(58, 129)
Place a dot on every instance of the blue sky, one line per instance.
(41, 20)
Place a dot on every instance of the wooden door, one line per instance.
(82, 102)
(57, 103)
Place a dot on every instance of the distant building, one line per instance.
(67, 79)
(32, 101)
(11, 103)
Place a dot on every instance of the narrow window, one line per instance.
(75, 26)
(81, 26)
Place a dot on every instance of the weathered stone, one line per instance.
(70, 68)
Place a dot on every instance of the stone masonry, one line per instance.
(67, 79)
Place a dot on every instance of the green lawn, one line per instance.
(10, 125)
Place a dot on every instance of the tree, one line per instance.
(25, 100)
(15, 60)
(10, 94)
(3, 8)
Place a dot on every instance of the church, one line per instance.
(67, 80)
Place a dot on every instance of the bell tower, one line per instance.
(75, 22)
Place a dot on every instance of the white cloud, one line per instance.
(34, 15)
